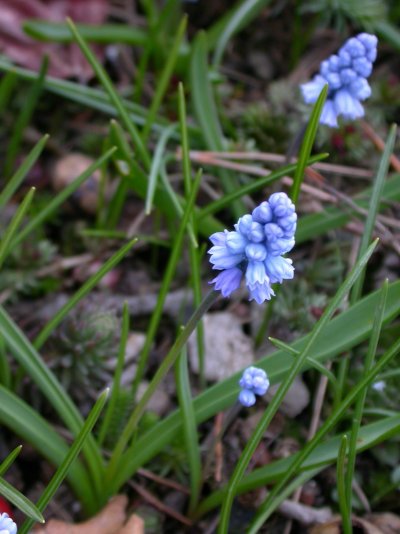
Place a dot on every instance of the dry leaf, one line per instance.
(109, 521)
(388, 523)
(334, 527)
(65, 60)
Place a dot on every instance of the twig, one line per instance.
(151, 499)
(380, 144)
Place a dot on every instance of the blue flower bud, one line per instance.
(247, 398)
(236, 242)
(7, 525)
(256, 232)
(262, 213)
(244, 224)
(343, 73)
(254, 382)
(256, 252)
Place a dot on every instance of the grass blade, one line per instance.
(113, 95)
(60, 198)
(284, 387)
(373, 206)
(242, 14)
(34, 429)
(116, 385)
(82, 292)
(14, 224)
(165, 285)
(307, 144)
(338, 338)
(341, 488)
(19, 176)
(6, 88)
(73, 453)
(165, 77)
(189, 428)
(359, 407)
(7, 463)
(24, 118)
(20, 501)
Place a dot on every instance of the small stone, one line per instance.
(159, 402)
(297, 398)
(227, 349)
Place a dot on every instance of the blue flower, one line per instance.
(254, 382)
(345, 74)
(254, 249)
(7, 525)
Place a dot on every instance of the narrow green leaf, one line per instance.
(60, 198)
(7, 463)
(169, 273)
(59, 32)
(284, 387)
(307, 144)
(113, 95)
(82, 292)
(6, 88)
(29, 359)
(341, 488)
(324, 454)
(313, 363)
(19, 500)
(156, 165)
(27, 423)
(14, 225)
(373, 206)
(15, 181)
(253, 186)
(69, 459)
(189, 428)
(165, 77)
(359, 407)
(241, 15)
(116, 385)
(341, 334)
(24, 118)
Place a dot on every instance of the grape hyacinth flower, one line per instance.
(7, 525)
(254, 382)
(255, 248)
(346, 74)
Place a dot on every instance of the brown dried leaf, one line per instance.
(65, 60)
(334, 527)
(387, 522)
(109, 521)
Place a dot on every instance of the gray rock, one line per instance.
(227, 349)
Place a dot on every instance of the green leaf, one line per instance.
(325, 454)
(190, 433)
(7, 463)
(241, 15)
(60, 198)
(14, 224)
(112, 93)
(342, 333)
(21, 502)
(373, 207)
(307, 144)
(59, 32)
(23, 118)
(42, 376)
(34, 429)
(82, 292)
(69, 459)
(15, 181)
